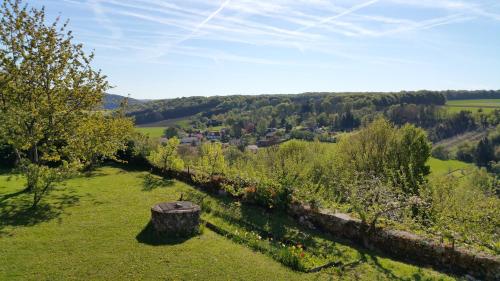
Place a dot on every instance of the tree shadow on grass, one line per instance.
(151, 182)
(149, 236)
(16, 209)
(374, 260)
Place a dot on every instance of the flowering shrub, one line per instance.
(268, 193)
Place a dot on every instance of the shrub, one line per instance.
(440, 152)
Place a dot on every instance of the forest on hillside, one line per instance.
(303, 104)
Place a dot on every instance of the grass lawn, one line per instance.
(95, 228)
(153, 132)
(441, 167)
(487, 105)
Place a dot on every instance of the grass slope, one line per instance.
(441, 167)
(95, 228)
(182, 122)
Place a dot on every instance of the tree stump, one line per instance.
(181, 218)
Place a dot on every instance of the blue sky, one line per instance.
(172, 48)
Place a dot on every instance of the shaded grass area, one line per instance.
(97, 228)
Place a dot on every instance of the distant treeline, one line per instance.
(307, 103)
(314, 103)
(471, 95)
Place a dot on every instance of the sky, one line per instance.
(152, 49)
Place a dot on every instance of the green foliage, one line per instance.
(372, 199)
(384, 151)
(211, 161)
(99, 138)
(137, 150)
(171, 132)
(48, 85)
(48, 92)
(484, 153)
(166, 157)
(269, 193)
(41, 179)
(465, 152)
(465, 210)
(441, 153)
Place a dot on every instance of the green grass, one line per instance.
(487, 105)
(153, 132)
(441, 167)
(183, 122)
(96, 228)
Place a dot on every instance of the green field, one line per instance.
(153, 132)
(183, 122)
(441, 167)
(487, 105)
(95, 228)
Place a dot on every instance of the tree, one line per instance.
(42, 178)
(485, 152)
(47, 86)
(465, 152)
(261, 127)
(373, 198)
(384, 151)
(166, 157)
(171, 132)
(211, 161)
(99, 138)
(463, 210)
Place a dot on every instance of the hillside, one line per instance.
(158, 110)
(314, 103)
(112, 101)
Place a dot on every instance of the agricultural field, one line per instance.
(95, 227)
(152, 132)
(487, 105)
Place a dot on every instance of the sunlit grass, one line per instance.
(443, 167)
(486, 105)
(153, 132)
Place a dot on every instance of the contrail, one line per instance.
(104, 20)
(205, 21)
(344, 13)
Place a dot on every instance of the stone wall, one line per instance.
(402, 245)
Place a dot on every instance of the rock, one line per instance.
(180, 218)
(303, 220)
